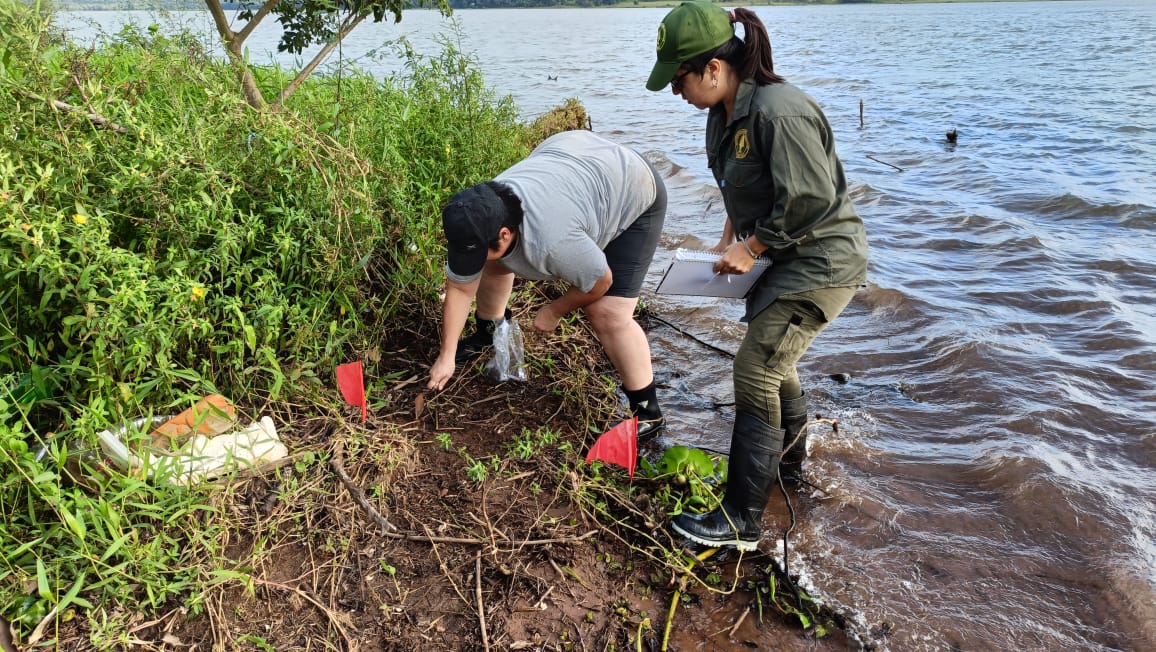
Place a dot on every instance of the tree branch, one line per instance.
(265, 9)
(350, 24)
(94, 118)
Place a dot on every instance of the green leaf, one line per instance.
(70, 597)
(250, 337)
(75, 524)
(115, 546)
(42, 580)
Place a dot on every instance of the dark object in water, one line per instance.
(840, 378)
(549, 78)
(952, 135)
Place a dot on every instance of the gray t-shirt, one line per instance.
(579, 191)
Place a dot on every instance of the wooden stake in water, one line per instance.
(860, 114)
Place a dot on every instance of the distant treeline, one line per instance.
(194, 5)
(498, 4)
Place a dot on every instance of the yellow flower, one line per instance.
(198, 293)
(79, 219)
(448, 151)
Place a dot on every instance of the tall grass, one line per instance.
(183, 243)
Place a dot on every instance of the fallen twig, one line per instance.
(446, 571)
(739, 622)
(356, 492)
(409, 536)
(495, 397)
(541, 606)
(565, 579)
(349, 644)
(481, 604)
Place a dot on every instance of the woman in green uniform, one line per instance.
(773, 156)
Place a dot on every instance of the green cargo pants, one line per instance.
(764, 369)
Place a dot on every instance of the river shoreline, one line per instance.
(102, 5)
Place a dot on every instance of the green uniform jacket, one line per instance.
(781, 181)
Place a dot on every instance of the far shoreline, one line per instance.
(623, 4)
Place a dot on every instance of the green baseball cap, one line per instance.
(687, 31)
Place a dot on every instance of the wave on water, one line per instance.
(1068, 206)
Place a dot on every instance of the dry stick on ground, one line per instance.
(541, 604)
(446, 571)
(565, 580)
(349, 644)
(481, 604)
(489, 525)
(739, 622)
(355, 491)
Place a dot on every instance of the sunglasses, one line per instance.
(677, 83)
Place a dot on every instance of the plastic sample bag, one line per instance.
(509, 361)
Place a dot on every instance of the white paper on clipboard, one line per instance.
(691, 273)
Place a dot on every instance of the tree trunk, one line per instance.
(234, 47)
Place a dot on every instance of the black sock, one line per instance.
(644, 402)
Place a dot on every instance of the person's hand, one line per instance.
(722, 245)
(441, 372)
(546, 320)
(735, 260)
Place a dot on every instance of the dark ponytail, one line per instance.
(750, 55)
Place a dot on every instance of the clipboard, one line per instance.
(691, 273)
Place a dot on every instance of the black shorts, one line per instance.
(629, 255)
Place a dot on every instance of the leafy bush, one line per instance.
(199, 243)
(160, 240)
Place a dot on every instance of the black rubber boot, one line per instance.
(754, 464)
(794, 417)
(481, 339)
(644, 405)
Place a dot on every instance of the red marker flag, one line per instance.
(619, 445)
(352, 385)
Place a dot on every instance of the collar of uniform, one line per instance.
(743, 100)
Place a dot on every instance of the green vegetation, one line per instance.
(160, 240)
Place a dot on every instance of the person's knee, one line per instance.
(610, 314)
(757, 385)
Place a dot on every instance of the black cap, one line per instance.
(471, 220)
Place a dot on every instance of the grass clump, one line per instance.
(160, 240)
